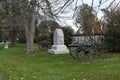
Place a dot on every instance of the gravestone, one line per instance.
(6, 45)
(58, 47)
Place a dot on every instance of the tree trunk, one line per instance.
(13, 40)
(30, 42)
(30, 38)
(30, 30)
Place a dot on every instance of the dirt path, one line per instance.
(1, 78)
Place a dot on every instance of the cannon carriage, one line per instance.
(86, 51)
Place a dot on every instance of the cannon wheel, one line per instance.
(73, 52)
(86, 53)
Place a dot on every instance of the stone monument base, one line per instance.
(58, 49)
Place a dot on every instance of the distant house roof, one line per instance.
(97, 31)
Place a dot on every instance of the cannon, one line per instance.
(44, 44)
(85, 51)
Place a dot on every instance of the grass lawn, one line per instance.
(15, 64)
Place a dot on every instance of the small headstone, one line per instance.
(58, 47)
(6, 45)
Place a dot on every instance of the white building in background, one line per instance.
(80, 38)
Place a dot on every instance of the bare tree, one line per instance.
(86, 18)
(44, 8)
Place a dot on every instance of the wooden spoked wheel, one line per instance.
(73, 52)
(86, 52)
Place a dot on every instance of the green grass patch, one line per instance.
(15, 64)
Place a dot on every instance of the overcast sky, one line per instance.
(70, 21)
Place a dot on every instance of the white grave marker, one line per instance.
(58, 47)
